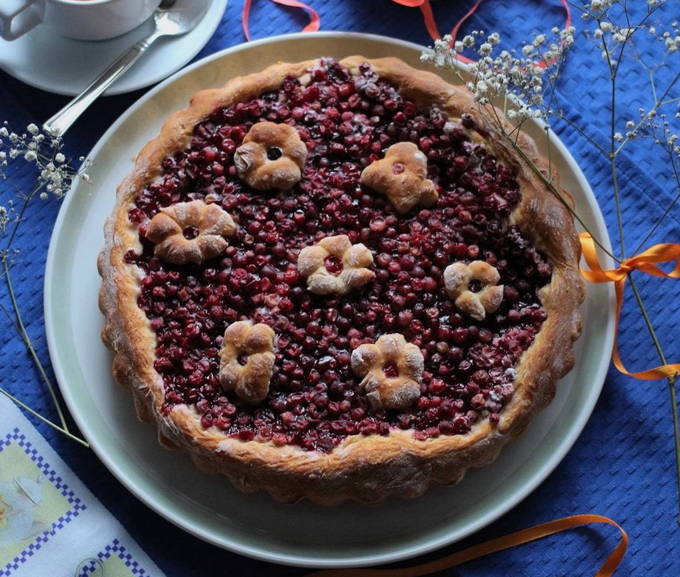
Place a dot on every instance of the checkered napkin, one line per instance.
(50, 524)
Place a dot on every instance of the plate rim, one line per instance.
(148, 80)
(261, 553)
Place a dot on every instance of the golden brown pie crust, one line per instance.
(360, 468)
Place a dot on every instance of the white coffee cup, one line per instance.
(80, 19)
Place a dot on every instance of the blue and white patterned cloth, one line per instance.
(51, 525)
(622, 465)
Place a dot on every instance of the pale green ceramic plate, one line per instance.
(208, 507)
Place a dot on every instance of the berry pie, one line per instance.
(336, 280)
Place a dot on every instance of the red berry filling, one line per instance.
(333, 264)
(391, 370)
(314, 401)
(274, 153)
(190, 232)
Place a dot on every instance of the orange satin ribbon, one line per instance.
(314, 20)
(433, 28)
(494, 545)
(645, 262)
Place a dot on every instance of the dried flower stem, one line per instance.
(671, 383)
(666, 212)
(581, 132)
(29, 344)
(43, 419)
(613, 68)
(558, 194)
(643, 309)
(658, 102)
(613, 155)
(23, 333)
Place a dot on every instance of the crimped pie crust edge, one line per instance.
(361, 468)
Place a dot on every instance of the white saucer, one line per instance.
(61, 65)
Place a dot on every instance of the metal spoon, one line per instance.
(169, 20)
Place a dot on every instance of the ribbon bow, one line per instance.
(646, 262)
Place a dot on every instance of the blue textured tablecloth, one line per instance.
(622, 466)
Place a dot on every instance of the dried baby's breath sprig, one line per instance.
(519, 81)
(525, 87)
(54, 177)
(55, 174)
(4, 218)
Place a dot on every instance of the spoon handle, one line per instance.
(58, 124)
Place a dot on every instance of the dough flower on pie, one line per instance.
(190, 232)
(391, 370)
(272, 156)
(402, 177)
(457, 279)
(247, 360)
(307, 412)
(335, 266)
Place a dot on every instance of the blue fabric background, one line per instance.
(622, 466)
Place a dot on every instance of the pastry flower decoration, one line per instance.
(271, 157)
(190, 232)
(402, 177)
(335, 266)
(391, 369)
(247, 360)
(457, 279)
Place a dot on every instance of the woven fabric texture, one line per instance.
(622, 466)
